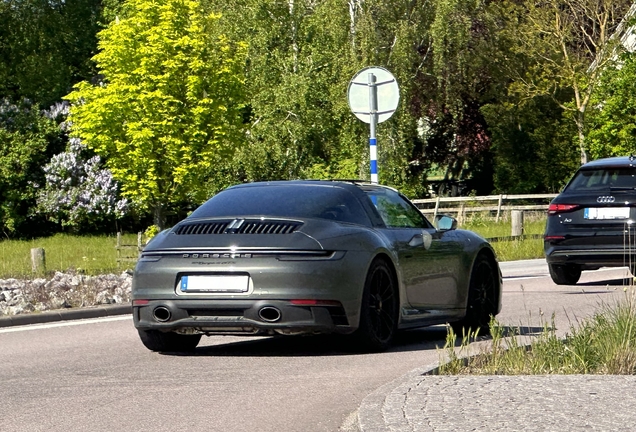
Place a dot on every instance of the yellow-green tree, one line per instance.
(169, 107)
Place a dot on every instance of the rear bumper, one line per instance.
(590, 258)
(257, 317)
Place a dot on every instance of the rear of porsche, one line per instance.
(591, 223)
(251, 276)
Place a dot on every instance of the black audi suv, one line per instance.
(591, 222)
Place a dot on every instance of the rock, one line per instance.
(63, 290)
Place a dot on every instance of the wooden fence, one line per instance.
(128, 252)
(494, 204)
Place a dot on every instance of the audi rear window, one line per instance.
(603, 179)
(295, 201)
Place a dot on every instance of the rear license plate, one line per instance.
(606, 213)
(214, 284)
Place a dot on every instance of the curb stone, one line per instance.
(372, 418)
(64, 315)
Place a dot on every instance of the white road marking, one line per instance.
(510, 278)
(64, 324)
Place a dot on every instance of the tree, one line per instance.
(169, 108)
(531, 146)
(302, 55)
(27, 141)
(613, 119)
(462, 63)
(564, 45)
(45, 47)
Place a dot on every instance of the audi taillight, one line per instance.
(562, 208)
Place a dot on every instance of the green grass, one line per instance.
(488, 228)
(603, 344)
(88, 254)
(534, 223)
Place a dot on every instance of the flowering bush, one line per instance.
(78, 191)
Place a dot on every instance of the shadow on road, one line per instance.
(429, 338)
(317, 345)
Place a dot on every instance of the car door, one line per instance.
(429, 259)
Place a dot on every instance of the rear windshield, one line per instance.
(603, 179)
(296, 201)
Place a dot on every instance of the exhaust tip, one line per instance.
(269, 314)
(161, 314)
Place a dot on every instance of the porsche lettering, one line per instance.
(218, 255)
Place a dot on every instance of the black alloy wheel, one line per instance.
(565, 274)
(378, 312)
(482, 300)
(168, 342)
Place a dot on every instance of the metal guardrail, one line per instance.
(498, 205)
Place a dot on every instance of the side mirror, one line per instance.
(445, 223)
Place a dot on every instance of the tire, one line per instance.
(379, 309)
(565, 274)
(168, 342)
(482, 298)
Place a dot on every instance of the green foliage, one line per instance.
(564, 45)
(169, 108)
(150, 232)
(47, 47)
(27, 141)
(302, 55)
(452, 38)
(613, 121)
(532, 146)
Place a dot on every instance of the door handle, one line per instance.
(423, 239)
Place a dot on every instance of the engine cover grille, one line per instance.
(238, 226)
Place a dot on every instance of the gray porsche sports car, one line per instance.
(294, 257)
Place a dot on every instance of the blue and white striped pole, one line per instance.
(373, 121)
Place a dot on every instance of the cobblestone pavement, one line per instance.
(426, 403)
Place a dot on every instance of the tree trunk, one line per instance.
(580, 123)
(294, 30)
(159, 216)
(352, 25)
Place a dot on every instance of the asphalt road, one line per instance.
(95, 375)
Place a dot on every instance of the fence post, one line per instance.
(499, 207)
(517, 223)
(38, 260)
(460, 215)
(436, 207)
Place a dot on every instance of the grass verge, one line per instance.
(512, 250)
(83, 254)
(602, 344)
